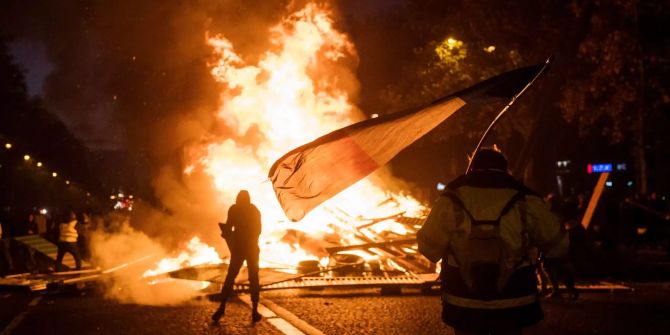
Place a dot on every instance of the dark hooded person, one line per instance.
(241, 233)
(483, 228)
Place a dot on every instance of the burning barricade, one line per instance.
(299, 89)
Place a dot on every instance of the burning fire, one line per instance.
(298, 90)
(196, 253)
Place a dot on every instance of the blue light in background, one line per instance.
(598, 168)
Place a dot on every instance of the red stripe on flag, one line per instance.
(330, 169)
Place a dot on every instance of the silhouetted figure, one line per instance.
(7, 262)
(83, 232)
(562, 269)
(243, 230)
(67, 241)
(26, 228)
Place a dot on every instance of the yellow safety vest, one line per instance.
(68, 232)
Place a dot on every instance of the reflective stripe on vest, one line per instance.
(452, 262)
(68, 232)
(489, 304)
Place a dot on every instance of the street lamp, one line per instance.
(8, 146)
(39, 164)
(54, 174)
(67, 182)
(26, 157)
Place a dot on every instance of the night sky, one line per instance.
(32, 57)
(55, 43)
(124, 75)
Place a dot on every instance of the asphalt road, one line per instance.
(644, 311)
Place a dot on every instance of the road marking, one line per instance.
(285, 321)
(291, 318)
(17, 320)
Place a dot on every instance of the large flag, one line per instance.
(308, 175)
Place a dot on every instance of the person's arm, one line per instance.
(232, 217)
(258, 225)
(545, 230)
(433, 237)
(227, 228)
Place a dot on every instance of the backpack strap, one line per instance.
(510, 204)
(453, 196)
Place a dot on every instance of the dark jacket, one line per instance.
(244, 221)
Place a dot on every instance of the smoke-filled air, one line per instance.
(226, 96)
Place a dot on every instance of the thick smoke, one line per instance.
(136, 74)
(124, 254)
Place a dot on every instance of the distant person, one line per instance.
(562, 269)
(41, 224)
(241, 233)
(27, 227)
(656, 219)
(83, 232)
(483, 228)
(67, 241)
(7, 263)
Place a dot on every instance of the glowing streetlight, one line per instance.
(67, 182)
(8, 146)
(26, 157)
(490, 48)
(112, 197)
(451, 51)
(39, 164)
(130, 196)
(54, 174)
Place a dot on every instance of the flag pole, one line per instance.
(502, 112)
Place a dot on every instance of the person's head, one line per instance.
(243, 198)
(489, 158)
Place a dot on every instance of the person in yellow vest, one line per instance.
(67, 241)
(483, 228)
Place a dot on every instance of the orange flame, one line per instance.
(298, 90)
(196, 253)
